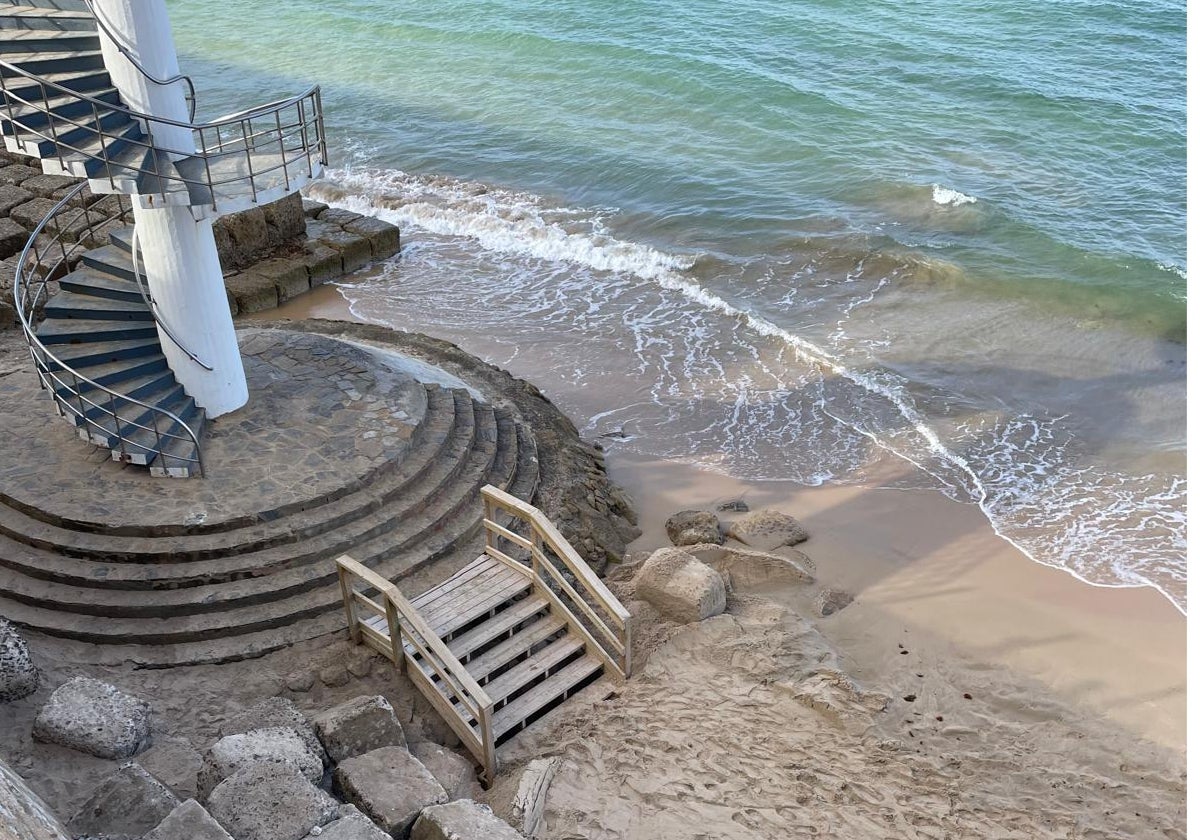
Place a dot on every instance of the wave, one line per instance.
(953, 198)
(1005, 486)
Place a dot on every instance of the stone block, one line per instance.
(353, 825)
(694, 527)
(679, 586)
(25, 815)
(383, 236)
(275, 745)
(233, 304)
(272, 712)
(175, 763)
(354, 248)
(313, 209)
(248, 236)
(252, 292)
(11, 196)
(322, 262)
(285, 219)
(225, 252)
(85, 198)
(358, 726)
(19, 677)
(290, 276)
(767, 530)
(45, 186)
(462, 820)
(390, 786)
(17, 174)
(94, 717)
(12, 238)
(189, 821)
(124, 806)
(454, 772)
(338, 216)
(269, 802)
(30, 214)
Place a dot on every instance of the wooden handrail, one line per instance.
(543, 531)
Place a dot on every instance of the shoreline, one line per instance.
(921, 564)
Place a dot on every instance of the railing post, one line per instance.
(397, 637)
(351, 608)
(489, 514)
(489, 743)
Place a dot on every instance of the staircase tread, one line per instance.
(520, 642)
(54, 327)
(542, 695)
(69, 352)
(89, 277)
(460, 606)
(518, 677)
(67, 299)
(14, 35)
(498, 625)
(40, 12)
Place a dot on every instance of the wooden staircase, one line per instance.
(506, 638)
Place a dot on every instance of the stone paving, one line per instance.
(322, 416)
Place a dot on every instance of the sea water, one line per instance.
(783, 239)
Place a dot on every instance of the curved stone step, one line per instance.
(443, 526)
(442, 455)
(285, 524)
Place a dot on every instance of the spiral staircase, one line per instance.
(96, 344)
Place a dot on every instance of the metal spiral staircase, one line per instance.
(97, 349)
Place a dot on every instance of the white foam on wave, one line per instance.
(951, 198)
(519, 224)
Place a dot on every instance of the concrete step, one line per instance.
(30, 17)
(96, 353)
(17, 43)
(111, 259)
(61, 61)
(72, 305)
(21, 89)
(56, 331)
(116, 373)
(97, 284)
(90, 141)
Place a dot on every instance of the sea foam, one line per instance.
(951, 198)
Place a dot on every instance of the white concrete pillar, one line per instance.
(178, 253)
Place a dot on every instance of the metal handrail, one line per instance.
(232, 137)
(124, 50)
(51, 369)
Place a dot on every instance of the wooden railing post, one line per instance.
(393, 621)
(351, 608)
(489, 514)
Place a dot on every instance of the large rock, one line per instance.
(390, 786)
(353, 824)
(454, 772)
(12, 238)
(462, 820)
(189, 821)
(252, 292)
(275, 745)
(23, 815)
(354, 247)
(11, 197)
(275, 711)
(679, 586)
(175, 763)
(383, 236)
(124, 806)
(30, 214)
(268, 802)
(94, 717)
(18, 675)
(693, 527)
(285, 219)
(244, 237)
(290, 276)
(357, 726)
(767, 530)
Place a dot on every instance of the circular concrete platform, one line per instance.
(322, 418)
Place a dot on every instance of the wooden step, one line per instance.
(543, 695)
(494, 628)
(513, 681)
(519, 644)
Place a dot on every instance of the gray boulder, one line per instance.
(767, 530)
(18, 675)
(353, 825)
(188, 821)
(23, 815)
(462, 820)
(124, 806)
(454, 772)
(270, 802)
(358, 726)
(679, 586)
(388, 785)
(830, 601)
(694, 527)
(275, 711)
(175, 763)
(275, 745)
(94, 717)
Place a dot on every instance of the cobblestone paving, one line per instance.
(322, 415)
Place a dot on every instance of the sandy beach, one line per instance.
(1027, 696)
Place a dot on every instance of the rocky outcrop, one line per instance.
(462, 820)
(275, 746)
(693, 527)
(18, 675)
(390, 786)
(94, 717)
(679, 586)
(358, 726)
(767, 530)
(124, 806)
(268, 802)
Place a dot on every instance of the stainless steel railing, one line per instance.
(93, 407)
(258, 154)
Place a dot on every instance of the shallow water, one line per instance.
(789, 236)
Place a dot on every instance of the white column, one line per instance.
(178, 253)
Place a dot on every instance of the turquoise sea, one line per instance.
(778, 239)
